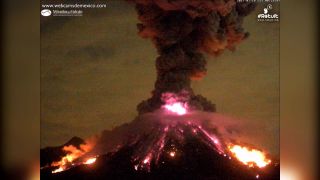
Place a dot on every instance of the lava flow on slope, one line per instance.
(166, 144)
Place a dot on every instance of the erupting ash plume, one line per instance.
(182, 30)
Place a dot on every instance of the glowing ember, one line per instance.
(63, 163)
(90, 161)
(177, 108)
(146, 160)
(72, 154)
(172, 154)
(250, 157)
(58, 170)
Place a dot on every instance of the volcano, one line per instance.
(193, 159)
(177, 134)
(160, 146)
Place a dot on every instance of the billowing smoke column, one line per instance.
(182, 30)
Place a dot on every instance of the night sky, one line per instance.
(95, 69)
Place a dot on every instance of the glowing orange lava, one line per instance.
(74, 153)
(60, 169)
(249, 157)
(90, 161)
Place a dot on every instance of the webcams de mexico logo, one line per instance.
(46, 12)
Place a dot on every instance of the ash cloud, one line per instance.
(182, 31)
(228, 129)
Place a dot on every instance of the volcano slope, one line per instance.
(173, 149)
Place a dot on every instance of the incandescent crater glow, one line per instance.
(177, 108)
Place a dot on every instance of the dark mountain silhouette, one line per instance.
(194, 159)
